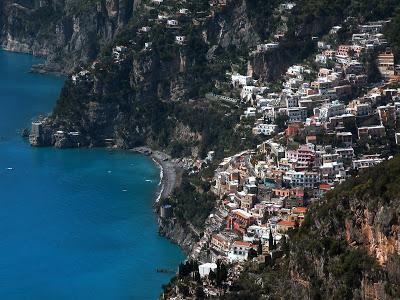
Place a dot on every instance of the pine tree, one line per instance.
(211, 276)
(197, 276)
(259, 248)
(271, 245)
(181, 270)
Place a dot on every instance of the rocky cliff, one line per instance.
(184, 236)
(68, 32)
(137, 90)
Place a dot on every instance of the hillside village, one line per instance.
(326, 123)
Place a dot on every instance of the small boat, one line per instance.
(10, 169)
(124, 190)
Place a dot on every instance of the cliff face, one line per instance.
(181, 235)
(233, 28)
(377, 231)
(154, 81)
(71, 33)
(68, 32)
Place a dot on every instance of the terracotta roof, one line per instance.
(242, 244)
(325, 186)
(299, 210)
(243, 214)
(286, 223)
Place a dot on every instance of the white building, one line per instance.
(241, 80)
(250, 112)
(265, 129)
(296, 70)
(145, 29)
(332, 109)
(277, 149)
(266, 47)
(329, 171)
(183, 11)
(345, 152)
(180, 39)
(239, 251)
(321, 58)
(205, 269)
(301, 179)
(296, 114)
(172, 23)
(292, 101)
(248, 91)
(362, 109)
(366, 163)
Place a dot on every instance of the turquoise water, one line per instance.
(74, 224)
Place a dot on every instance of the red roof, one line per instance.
(299, 210)
(243, 244)
(286, 223)
(325, 186)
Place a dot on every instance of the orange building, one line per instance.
(292, 129)
(283, 226)
(386, 64)
(220, 243)
(297, 215)
(240, 220)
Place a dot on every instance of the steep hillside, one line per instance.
(69, 33)
(155, 70)
(348, 247)
(164, 82)
(150, 104)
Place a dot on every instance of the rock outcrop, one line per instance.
(184, 236)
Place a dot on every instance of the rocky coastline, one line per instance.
(171, 172)
(180, 234)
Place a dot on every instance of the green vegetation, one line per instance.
(76, 7)
(320, 15)
(393, 34)
(192, 204)
(261, 14)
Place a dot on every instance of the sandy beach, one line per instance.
(169, 171)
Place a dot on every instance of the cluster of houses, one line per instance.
(257, 211)
(327, 113)
(175, 17)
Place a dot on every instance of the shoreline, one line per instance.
(168, 171)
(44, 68)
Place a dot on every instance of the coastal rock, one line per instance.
(178, 233)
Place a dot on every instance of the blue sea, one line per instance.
(76, 223)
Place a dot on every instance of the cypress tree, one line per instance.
(271, 245)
